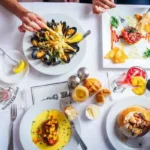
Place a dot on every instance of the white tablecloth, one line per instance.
(93, 132)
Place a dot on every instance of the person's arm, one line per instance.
(30, 21)
(14, 7)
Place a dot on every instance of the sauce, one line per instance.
(64, 130)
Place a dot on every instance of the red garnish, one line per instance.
(131, 35)
(38, 131)
(147, 37)
(36, 141)
(114, 37)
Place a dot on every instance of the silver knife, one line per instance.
(65, 103)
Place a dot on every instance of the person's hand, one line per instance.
(71, 0)
(31, 22)
(100, 6)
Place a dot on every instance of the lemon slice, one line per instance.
(20, 66)
(80, 93)
(139, 85)
(76, 38)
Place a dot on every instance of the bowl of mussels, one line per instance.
(56, 46)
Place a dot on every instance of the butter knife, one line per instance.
(67, 102)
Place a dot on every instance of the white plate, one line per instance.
(6, 67)
(111, 119)
(62, 68)
(106, 37)
(30, 115)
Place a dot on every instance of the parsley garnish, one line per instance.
(147, 53)
(114, 22)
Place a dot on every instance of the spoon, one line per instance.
(86, 34)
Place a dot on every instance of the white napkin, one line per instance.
(4, 129)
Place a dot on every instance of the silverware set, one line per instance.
(13, 115)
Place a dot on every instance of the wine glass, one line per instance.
(120, 82)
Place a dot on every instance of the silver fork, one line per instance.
(13, 114)
(123, 22)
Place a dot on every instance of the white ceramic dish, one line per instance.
(106, 38)
(87, 114)
(30, 115)
(6, 67)
(62, 68)
(111, 120)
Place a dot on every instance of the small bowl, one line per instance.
(6, 67)
(88, 115)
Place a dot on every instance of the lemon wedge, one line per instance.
(139, 85)
(80, 94)
(20, 66)
(76, 38)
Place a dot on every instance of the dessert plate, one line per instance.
(117, 143)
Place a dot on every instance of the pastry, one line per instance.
(100, 96)
(93, 85)
(71, 112)
(134, 121)
(80, 94)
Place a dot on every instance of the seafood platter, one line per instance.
(126, 47)
(58, 48)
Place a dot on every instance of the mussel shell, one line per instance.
(65, 31)
(34, 48)
(64, 26)
(38, 54)
(54, 23)
(67, 60)
(70, 32)
(56, 61)
(75, 46)
(47, 59)
(49, 25)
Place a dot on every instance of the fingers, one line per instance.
(31, 22)
(40, 18)
(100, 4)
(108, 3)
(21, 29)
(26, 27)
(70, 0)
(112, 1)
(98, 10)
(40, 23)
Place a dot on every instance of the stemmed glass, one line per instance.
(120, 82)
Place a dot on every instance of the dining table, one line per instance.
(92, 132)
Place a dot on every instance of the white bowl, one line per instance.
(6, 67)
(87, 114)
